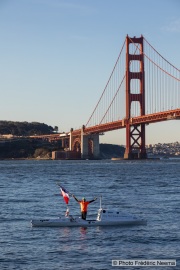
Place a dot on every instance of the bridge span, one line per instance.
(143, 88)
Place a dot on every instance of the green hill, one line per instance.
(24, 128)
(108, 151)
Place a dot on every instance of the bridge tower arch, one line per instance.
(76, 147)
(135, 134)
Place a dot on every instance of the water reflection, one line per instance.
(83, 231)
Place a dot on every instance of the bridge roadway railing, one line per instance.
(146, 119)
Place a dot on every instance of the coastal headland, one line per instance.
(16, 143)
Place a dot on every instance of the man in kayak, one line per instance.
(84, 206)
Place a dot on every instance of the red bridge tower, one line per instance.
(135, 134)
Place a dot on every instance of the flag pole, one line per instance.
(100, 202)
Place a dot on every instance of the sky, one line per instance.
(57, 55)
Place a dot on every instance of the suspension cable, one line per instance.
(106, 84)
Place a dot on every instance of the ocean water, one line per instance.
(28, 190)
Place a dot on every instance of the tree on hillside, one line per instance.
(56, 129)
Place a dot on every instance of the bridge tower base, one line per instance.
(89, 145)
(135, 135)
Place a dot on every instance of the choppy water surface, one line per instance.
(149, 189)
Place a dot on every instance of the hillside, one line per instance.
(24, 128)
(27, 148)
(108, 151)
(17, 147)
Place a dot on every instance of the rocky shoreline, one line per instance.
(28, 149)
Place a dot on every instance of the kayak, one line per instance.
(105, 217)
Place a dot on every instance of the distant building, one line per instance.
(6, 136)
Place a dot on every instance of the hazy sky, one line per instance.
(57, 55)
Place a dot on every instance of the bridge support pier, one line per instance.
(135, 142)
(89, 145)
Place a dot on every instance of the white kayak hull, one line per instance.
(68, 222)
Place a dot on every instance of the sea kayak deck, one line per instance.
(104, 218)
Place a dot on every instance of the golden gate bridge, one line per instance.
(143, 88)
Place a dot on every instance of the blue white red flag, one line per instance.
(65, 194)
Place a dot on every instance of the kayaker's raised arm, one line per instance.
(75, 198)
(93, 200)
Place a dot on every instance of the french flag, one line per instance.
(65, 194)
